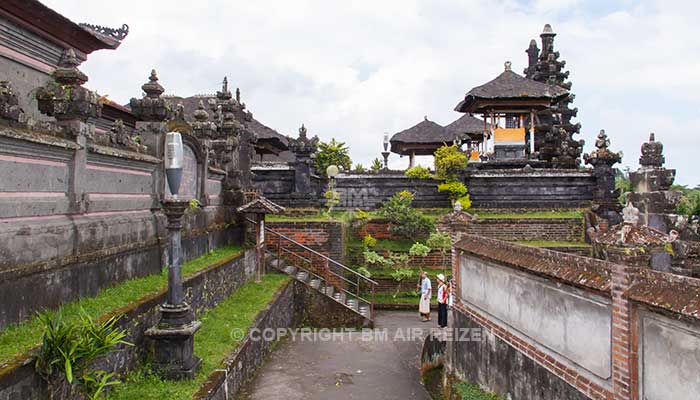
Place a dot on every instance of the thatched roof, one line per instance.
(422, 139)
(466, 126)
(509, 86)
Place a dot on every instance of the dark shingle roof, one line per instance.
(466, 124)
(425, 131)
(509, 85)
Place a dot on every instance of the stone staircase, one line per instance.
(349, 299)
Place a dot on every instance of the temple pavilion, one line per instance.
(509, 105)
(427, 136)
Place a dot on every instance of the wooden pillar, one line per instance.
(412, 160)
(532, 131)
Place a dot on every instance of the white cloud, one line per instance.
(355, 70)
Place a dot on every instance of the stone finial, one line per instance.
(303, 145)
(602, 154)
(508, 65)
(67, 72)
(201, 114)
(152, 88)
(65, 99)
(152, 107)
(458, 206)
(238, 95)
(652, 153)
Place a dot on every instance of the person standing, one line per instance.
(425, 294)
(442, 294)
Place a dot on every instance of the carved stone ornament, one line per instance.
(152, 107)
(118, 33)
(652, 153)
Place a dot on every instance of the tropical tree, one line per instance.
(332, 153)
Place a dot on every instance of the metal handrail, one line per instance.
(316, 253)
(327, 259)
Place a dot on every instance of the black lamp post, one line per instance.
(173, 337)
(386, 152)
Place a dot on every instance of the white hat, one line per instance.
(441, 277)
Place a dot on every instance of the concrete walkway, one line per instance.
(352, 366)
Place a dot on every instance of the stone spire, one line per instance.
(556, 145)
(532, 53)
(605, 196)
(152, 107)
(201, 126)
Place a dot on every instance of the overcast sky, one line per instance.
(356, 69)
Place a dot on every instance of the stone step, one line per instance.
(352, 303)
(339, 297)
(302, 276)
(315, 283)
(290, 269)
(328, 290)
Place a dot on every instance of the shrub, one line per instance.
(440, 241)
(419, 249)
(690, 203)
(401, 275)
(363, 215)
(454, 189)
(372, 258)
(369, 242)
(465, 201)
(364, 272)
(376, 165)
(449, 162)
(405, 221)
(332, 153)
(68, 350)
(359, 168)
(332, 199)
(418, 172)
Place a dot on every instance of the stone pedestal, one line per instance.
(173, 337)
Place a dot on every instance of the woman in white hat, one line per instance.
(442, 301)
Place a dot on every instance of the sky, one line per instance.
(354, 70)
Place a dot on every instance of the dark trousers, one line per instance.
(442, 315)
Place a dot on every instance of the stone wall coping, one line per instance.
(216, 171)
(121, 153)
(584, 272)
(271, 167)
(36, 137)
(669, 292)
(535, 173)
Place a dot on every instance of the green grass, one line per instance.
(213, 343)
(473, 392)
(530, 214)
(386, 272)
(552, 243)
(19, 339)
(402, 298)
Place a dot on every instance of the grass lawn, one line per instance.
(529, 214)
(473, 392)
(552, 243)
(402, 298)
(213, 343)
(19, 339)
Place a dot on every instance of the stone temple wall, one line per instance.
(558, 326)
(75, 219)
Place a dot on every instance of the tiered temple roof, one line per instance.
(427, 136)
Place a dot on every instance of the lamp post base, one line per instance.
(173, 342)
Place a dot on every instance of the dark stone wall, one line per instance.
(493, 364)
(99, 252)
(367, 191)
(320, 311)
(534, 188)
(203, 291)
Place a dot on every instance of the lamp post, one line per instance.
(386, 152)
(332, 171)
(173, 337)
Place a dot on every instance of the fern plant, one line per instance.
(67, 351)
